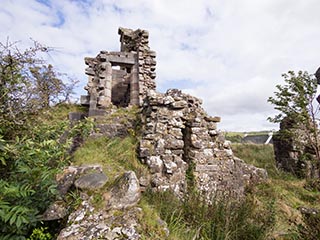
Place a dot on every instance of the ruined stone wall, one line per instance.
(138, 41)
(127, 85)
(292, 151)
(181, 145)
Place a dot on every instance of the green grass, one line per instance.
(192, 218)
(286, 192)
(258, 155)
(114, 155)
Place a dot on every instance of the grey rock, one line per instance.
(91, 181)
(126, 192)
(57, 210)
(155, 164)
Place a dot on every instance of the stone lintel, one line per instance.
(119, 58)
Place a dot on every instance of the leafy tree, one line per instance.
(48, 88)
(32, 148)
(28, 166)
(27, 182)
(26, 86)
(295, 101)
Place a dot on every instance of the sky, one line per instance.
(229, 53)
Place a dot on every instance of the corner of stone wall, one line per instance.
(182, 146)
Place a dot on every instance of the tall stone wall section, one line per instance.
(138, 41)
(293, 153)
(127, 85)
(181, 145)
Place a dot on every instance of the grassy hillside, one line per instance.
(270, 211)
(285, 192)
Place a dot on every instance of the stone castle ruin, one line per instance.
(121, 78)
(180, 142)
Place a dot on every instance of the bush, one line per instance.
(27, 169)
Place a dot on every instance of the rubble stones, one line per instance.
(67, 178)
(87, 223)
(57, 210)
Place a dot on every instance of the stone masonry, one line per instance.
(179, 141)
(293, 153)
(181, 145)
(120, 78)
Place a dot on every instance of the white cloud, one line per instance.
(229, 53)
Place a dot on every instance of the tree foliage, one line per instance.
(27, 85)
(295, 101)
(295, 98)
(32, 148)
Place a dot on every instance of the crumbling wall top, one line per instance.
(137, 64)
(131, 39)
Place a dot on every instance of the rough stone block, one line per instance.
(174, 143)
(91, 181)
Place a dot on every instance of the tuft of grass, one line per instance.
(152, 226)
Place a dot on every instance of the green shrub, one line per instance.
(27, 171)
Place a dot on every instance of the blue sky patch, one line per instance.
(45, 2)
(117, 9)
(61, 19)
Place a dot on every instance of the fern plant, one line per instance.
(28, 167)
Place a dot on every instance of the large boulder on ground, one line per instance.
(117, 217)
(91, 181)
(125, 193)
